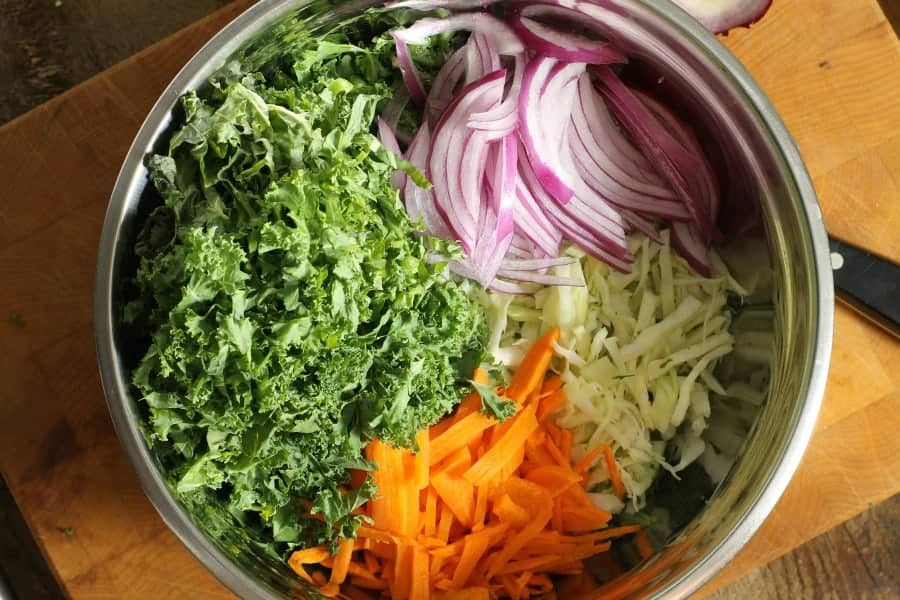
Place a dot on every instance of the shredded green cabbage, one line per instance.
(637, 354)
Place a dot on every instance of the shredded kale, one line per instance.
(492, 404)
(292, 314)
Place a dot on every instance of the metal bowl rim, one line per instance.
(240, 30)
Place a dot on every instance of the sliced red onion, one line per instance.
(482, 57)
(490, 249)
(424, 5)
(445, 83)
(681, 168)
(504, 38)
(534, 222)
(597, 143)
(549, 41)
(518, 253)
(534, 277)
(502, 35)
(572, 13)
(641, 224)
(536, 264)
(505, 117)
(495, 234)
(389, 141)
(541, 139)
(584, 205)
(689, 243)
(456, 160)
(420, 203)
(686, 136)
(513, 289)
(507, 174)
(594, 237)
(394, 108)
(408, 70)
(720, 16)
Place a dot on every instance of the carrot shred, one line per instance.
(357, 478)
(614, 475)
(420, 586)
(402, 580)
(565, 446)
(550, 403)
(585, 463)
(342, 562)
(456, 493)
(551, 385)
(523, 424)
(483, 509)
(422, 459)
(643, 545)
(553, 432)
(529, 564)
(556, 479)
(476, 544)
(445, 523)
(481, 499)
(533, 368)
(459, 435)
(509, 512)
(372, 563)
(480, 376)
(429, 518)
(557, 455)
(472, 593)
(556, 520)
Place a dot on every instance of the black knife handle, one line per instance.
(868, 284)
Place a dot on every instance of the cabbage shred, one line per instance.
(637, 353)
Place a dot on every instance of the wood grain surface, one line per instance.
(47, 46)
(832, 68)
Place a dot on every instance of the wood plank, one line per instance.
(46, 46)
(848, 467)
(66, 154)
(855, 560)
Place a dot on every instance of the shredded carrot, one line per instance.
(585, 463)
(484, 509)
(554, 451)
(565, 445)
(456, 493)
(509, 512)
(614, 476)
(342, 562)
(372, 563)
(551, 385)
(476, 544)
(481, 497)
(533, 369)
(550, 403)
(643, 545)
(420, 586)
(444, 525)
(422, 460)
(429, 518)
(459, 435)
(402, 580)
(523, 424)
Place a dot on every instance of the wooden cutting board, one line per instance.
(832, 68)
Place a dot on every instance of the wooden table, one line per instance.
(832, 68)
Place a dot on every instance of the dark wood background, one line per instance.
(49, 46)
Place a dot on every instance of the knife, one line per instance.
(867, 283)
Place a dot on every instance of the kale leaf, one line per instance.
(292, 314)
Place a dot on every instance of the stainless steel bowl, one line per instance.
(762, 173)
